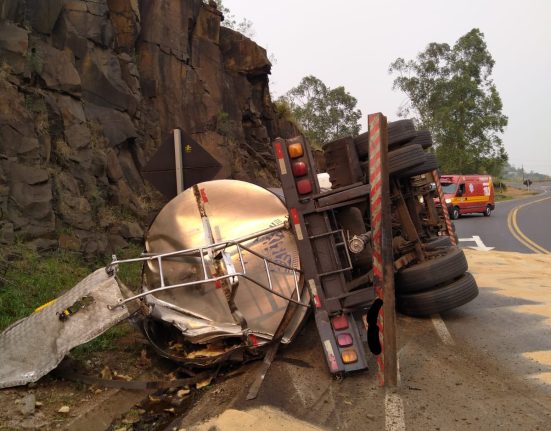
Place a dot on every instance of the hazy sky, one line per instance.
(352, 43)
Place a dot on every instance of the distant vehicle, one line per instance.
(468, 194)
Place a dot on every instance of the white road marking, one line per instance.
(479, 244)
(442, 330)
(394, 413)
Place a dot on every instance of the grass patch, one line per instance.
(513, 193)
(30, 280)
(106, 341)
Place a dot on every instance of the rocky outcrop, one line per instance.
(89, 89)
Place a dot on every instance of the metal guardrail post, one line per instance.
(381, 228)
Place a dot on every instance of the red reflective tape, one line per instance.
(253, 340)
(373, 120)
(294, 216)
(376, 220)
(375, 177)
(278, 150)
(375, 144)
(317, 301)
(204, 195)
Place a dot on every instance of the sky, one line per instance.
(351, 43)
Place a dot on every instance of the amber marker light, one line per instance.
(295, 151)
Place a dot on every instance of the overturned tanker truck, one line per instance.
(231, 270)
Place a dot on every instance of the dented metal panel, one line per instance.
(234, 210)
(35, 345)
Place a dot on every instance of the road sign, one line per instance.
(196, 163)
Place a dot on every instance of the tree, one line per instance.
(324, 114)
(244, 26)
(451, 93)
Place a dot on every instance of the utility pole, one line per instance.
(522, 168)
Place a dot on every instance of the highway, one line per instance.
(521, 225)
(485, 365)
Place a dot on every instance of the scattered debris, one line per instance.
(64, 409)
(27, 404)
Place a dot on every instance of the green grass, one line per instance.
(106, 341)
(32, 280)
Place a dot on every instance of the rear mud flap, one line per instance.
(35, 345)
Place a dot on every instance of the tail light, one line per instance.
(344, 340)
(339, 322)
(295, 151)
(299, 169)
(304, 186)
(349, 356)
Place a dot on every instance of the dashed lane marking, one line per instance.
(394, 412)
(442, 330)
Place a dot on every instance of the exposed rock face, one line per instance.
(88, 91)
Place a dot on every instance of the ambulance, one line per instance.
(468, 194)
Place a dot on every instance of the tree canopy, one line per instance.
(243, 26)
(325, 114)
(451, 93)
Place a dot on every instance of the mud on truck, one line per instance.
(231, 270)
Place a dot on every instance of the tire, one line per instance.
(405, 158)
(454, 214)
(430, 164)
(423, 138)
(400, 131)
(488, 211)
(362, 145)
(439, 241)
(444, 298)
(430, 273)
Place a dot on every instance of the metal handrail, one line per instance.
(201, 252)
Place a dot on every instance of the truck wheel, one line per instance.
(454, 214)
(425, 275)
(405, 158)
(488, 211)
(423, 138)
(430, 164)
(443, 298)
(362, 145)
(400, 131)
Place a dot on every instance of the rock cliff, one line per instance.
(89, 90)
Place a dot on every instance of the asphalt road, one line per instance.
(486, 365)
(520, 225)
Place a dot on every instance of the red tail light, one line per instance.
(304, 186)
(339, 322)
(299, 169)
(345, 340)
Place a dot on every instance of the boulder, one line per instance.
(71, 110)
(116, 126)
(90, 20)
(43, 14)
(102, 82)
(57, 69)
(72, 208)
(125, 19)
(78, 136)
(14, 44)
(242, 55)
